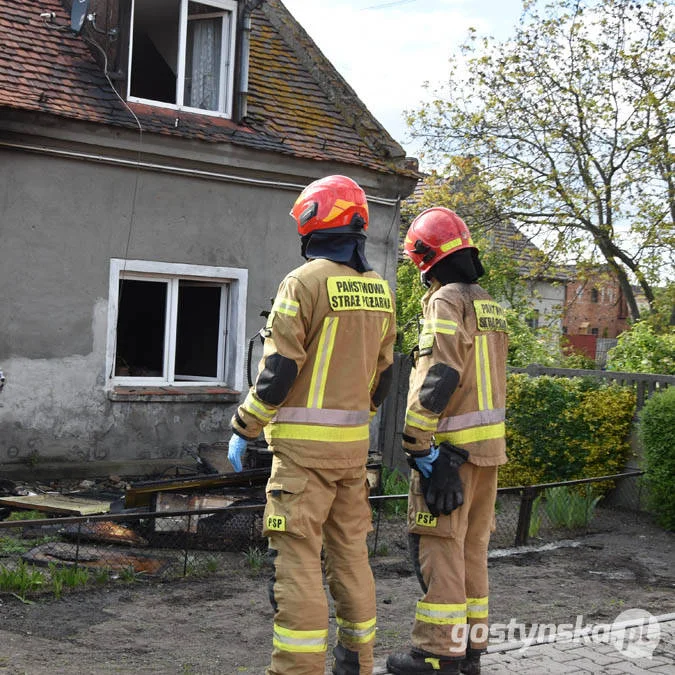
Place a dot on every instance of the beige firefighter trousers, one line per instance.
(307, 510)
(450, 557)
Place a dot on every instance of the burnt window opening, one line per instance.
(173, 324)
(595, 295)
(170, 329)
(140, 328)
(197, 327)
(182, 54)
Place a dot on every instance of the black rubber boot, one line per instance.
(418, 662)
(470, 664)
(346, 662)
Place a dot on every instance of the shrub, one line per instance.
(656, 430)
(527, 345)
(641, 350)
(562, 429)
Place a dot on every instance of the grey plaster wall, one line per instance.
(61, 221)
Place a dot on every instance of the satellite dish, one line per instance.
(78, 12)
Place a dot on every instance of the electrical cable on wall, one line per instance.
(49, 21)
(132, 216)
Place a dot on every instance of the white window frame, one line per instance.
(227, 55)
(232, 339)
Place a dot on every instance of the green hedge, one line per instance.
(565, 428)
(656, 430)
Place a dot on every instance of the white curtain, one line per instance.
(202, 68)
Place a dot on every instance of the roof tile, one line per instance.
(297, 104)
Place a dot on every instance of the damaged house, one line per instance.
(150, 152)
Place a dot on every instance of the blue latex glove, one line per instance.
(424, 463)
(235, 450)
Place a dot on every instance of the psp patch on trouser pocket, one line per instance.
(420, 519)
(284, 512)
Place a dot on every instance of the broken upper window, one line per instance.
(175, 324)
(182, 54)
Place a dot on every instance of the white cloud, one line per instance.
(387, 54)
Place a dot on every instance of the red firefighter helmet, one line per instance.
(331, 203)
(434, 235)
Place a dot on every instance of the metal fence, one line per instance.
(40, 555)
(645, 385)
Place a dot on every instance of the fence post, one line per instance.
(77, 545)
(186, 546)
(527, 498)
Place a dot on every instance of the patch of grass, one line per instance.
(211, 565)
(255, 558)
(394, 483)
(570, 508)
(21, 579)
(25, 515)
(128, 574)
(10, 545)
(383, 549)
(535, 517)
(198, 566)
(101, 575)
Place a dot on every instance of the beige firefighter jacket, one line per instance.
(338, 327)
(465, 329)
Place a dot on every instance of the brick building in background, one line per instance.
(595, 314)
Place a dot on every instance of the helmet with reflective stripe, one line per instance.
(434, 235)
(334, 203)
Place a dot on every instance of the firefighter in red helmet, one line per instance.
(326, 367)
(454, 441)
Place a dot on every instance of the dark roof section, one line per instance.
(299, 86)
(298, 104)
(531, 261)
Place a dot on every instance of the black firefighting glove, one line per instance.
(443, 489)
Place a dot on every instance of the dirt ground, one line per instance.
(222, 624)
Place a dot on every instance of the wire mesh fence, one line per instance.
(44, 554)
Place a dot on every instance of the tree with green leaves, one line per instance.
(572, 120)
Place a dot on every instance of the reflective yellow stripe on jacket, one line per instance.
(485, 424)
(483, 378)
(421, 421)
(315, 423)
(443, 326)
(320, 370)
(255, 407)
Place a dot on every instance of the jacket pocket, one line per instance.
(420, 519)
(284, 510)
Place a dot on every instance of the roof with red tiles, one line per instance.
(298, 104)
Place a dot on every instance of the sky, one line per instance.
(388, 49)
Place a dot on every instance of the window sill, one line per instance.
(174, 394)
